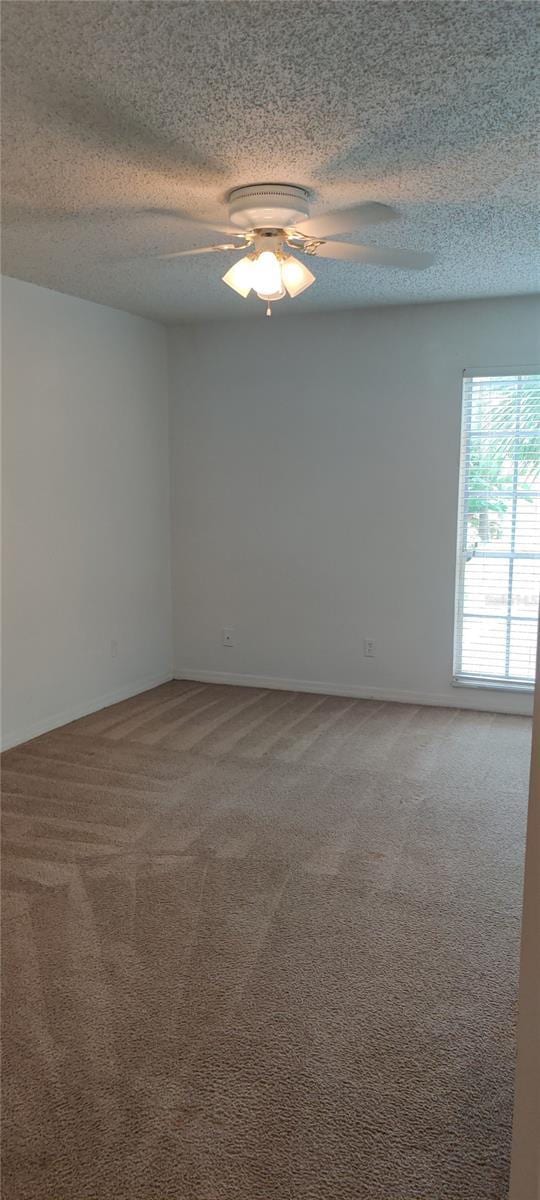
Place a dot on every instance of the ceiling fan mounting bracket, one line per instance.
(269, 232)
(311, 245)
(269, 239)
(272, 206)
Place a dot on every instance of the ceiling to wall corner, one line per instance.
(123, 120)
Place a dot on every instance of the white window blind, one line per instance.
(498, 562)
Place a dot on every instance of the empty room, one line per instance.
(270, 585)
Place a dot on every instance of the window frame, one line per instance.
(493, 683)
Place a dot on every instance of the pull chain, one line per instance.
(269, 311)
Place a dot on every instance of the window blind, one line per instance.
(498, 560)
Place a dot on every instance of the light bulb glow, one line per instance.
(240, 276)
(266, 277)
(295, 276)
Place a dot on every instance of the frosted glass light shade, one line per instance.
(295, 276)
(240, 276)
(269, 276)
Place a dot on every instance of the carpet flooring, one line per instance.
(262, 946)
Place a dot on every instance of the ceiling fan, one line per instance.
(268, 220)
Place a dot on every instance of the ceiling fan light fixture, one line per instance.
(240, 276)
(296, 277)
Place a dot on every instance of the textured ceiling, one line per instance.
(120, 117)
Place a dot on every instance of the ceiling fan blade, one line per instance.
(188, 219)
(378, 256)
(347, 220)
(200, 250)
(19, 212)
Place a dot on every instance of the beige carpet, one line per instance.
(262, 946)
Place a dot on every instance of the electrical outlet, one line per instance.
(227, 636)
(369, 648)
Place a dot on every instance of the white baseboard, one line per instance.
(480, 700)
(84, 709)
(520, 704)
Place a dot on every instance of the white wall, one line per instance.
(86, 508)
(315, 476)
(314, 499)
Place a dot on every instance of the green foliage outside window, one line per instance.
(491, 461)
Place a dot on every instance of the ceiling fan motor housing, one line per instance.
(268, 206)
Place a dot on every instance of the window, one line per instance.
(498, 564)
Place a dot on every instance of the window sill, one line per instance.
(492, 685)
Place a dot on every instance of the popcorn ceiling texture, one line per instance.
(120, 117)
(262, 946)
